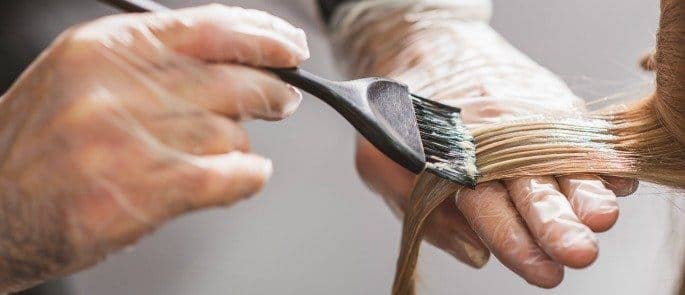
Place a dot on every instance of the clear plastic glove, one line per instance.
(446, 51)
(131, 120)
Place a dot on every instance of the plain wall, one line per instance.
(316, 229)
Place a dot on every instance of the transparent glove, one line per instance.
(131, 120)
(446, 51)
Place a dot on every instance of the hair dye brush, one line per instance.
(415, 132)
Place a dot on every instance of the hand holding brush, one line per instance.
(129, 121)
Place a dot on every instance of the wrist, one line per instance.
(34, 244)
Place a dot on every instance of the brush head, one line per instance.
(417, 133)
(449, 147)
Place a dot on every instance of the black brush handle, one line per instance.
(304, 80)
(340, 95)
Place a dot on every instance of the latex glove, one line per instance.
(534, 225)
(131, 120)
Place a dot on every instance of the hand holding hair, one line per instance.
(533, 209)
(122, 124)
(535, 225)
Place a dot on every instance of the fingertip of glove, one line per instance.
(602, 219)
(575, 248)
(581, 254)
(581, 258)
(548, 275)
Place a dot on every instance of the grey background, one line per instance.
(316, 229)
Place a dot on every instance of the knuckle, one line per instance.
(203, 136)
(83, 111)
(82, 41)
(221, 134)
(75, 42)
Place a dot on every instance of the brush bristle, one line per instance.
(448, 145)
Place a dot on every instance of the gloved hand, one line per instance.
(446, 51)
(131, 120)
